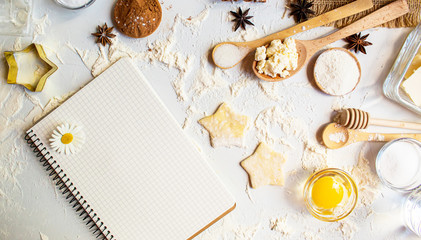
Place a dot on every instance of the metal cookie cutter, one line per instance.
(37, 80)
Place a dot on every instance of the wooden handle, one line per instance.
(384, 137)
(383, 15)
(325, 18)
(396, 124)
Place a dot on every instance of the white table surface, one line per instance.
(30, 204)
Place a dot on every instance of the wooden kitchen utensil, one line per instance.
(335, 136)
(307, 48)
(331, 16)
(358, 119)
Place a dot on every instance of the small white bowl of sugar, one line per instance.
(398, 164)
(75, 4)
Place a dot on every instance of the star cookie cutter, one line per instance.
(39, 81)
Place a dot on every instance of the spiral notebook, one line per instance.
(137, 176)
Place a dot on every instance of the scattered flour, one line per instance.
(314, 157)
(310, 236)
(273, 116)
(348, 229)
(43, 236)
(376, 137)
(18, 44)
(205, 81)
(246, 233)
(39, 26)
(237, 87)
(14, 103)
(248, 192)
(337, 137)
(365, 179)
(338, 104)
(197, 20)
(51, 105)
(279, 224)
(271, 90)
(191, 110)
(228, 228)
(162, 50)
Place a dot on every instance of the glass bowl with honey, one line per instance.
(330, 194)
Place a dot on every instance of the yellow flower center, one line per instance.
(67, 138)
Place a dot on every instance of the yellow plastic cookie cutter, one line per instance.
(13, 67)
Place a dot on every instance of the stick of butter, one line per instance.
(412, 87)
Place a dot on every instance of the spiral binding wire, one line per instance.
(66, 187)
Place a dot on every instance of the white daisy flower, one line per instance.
(67, 138)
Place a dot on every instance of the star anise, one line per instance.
(301, 10)
(104, 34)
(357, 43)
(241, 19)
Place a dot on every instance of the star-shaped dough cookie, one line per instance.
(264, 167)
(225, 127)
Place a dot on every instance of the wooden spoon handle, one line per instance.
(383, 15)
(396, 124)
(331, 16)
(383, 137)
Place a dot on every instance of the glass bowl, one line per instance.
(387, 169)
(392, 85)
(85, 5)
(412, 212)
(346, 204)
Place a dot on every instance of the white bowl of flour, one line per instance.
(75, 4)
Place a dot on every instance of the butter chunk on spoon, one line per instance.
(228, 54)
(335, 136)
(307, 48)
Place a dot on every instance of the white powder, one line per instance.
(348, 229)
(196, 21)
(365, 178)
(43, 236)
(337, 137)
(336, 72)
(400, 164)
(280, 225)
(376, 137)
(206, 81)
(74, 3)
(227, 55)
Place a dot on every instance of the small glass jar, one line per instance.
(400, 172)
(343, 207)
(412, 212)
(75, 4)
(392, 85)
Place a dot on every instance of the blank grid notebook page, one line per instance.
(137, 170)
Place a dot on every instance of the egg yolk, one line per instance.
(327, 193)
(67, 138)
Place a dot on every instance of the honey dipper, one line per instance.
(353, 118)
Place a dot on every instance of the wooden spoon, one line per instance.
(307, 49)
(243, 48)
(358, 119)
(335, 136)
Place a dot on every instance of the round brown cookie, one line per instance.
(137, 18)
